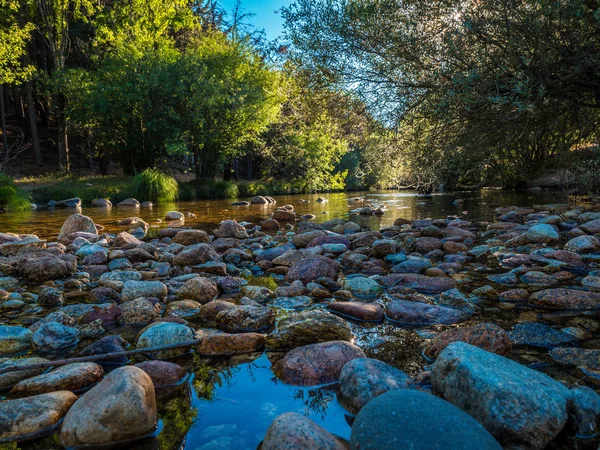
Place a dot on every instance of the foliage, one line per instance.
(87, 188)
(13, 39)
(154, 186)
(208, 190)
(178, 416)
(11, 197)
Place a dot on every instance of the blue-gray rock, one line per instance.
(410, 419)
(583, 244)
(165, 333)
(506, 279)
(363, 287)
(363, 379)
(395, 258)
(55, 340)
(14, 341)
(519, 406)
(122, 275)
(136, 289)
(407, 312)
(542, 234)
(120, 264)
(298, 302)
(584, 412)
(412, 265)
(539, 335)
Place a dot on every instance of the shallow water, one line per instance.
(209, 213)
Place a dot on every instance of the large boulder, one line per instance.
(519, 406)
(487, 336)
(9, 379)
(74, 223)
(312, 267)
(563, 298)
(55, 340)
(583, 244)
(295, 431)
(245, 318)
(316, 363)
(231, 229)
(195, 254)
(121, 408)
(33, 416)
(47, 268)
(71, 377)
(363, 379)
(217, 343)
(165, 333)
(191, 237)
(199, 289)
(410, 419)
(309, 327)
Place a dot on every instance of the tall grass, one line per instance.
(11, 197)
(208, 190)
(154, 186)
(87, 188)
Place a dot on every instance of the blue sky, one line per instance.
(265, 15)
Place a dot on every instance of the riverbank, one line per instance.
(328, 319)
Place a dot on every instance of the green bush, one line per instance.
(154, 186)
(208, 190)
(11, 197)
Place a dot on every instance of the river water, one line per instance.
(477, 205)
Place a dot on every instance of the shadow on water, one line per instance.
(209, 213)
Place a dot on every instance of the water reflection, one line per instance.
(209, 213)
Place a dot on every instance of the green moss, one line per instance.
(267, 282)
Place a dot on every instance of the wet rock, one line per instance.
(583, 244)
(9, 379)
(518, 405)
(33, 416)
(291, 303)
(199, 289)
(591, 227)
(165, 333)
(542, 234)
(363, 379)
(283, 216)
(419, 421)
(259, 294)
(101, 295)
(175, 215)
(49, 296)
(312, 267)
(329, 239)
(138, 313)
(195, 254)
(419, 283)
(191, 237)
(125, 239)
(71, 377)
(301, 240)
(48, 268)
(295, 431)
(270, 225)
(183, 308)
(584, 411)
(124, 403)
(129, 203)
(563, 298)
(55, 340)
(308, 327)
(366, 312)
(135, 289)
(363, 286)
(162, 373)
(14, 341)
(514, 295)
(101, 203)
(316, 363)
(209, 311)
(539, 335)
(122, 276)
(487, 336)
(108, 344)
(416, 313)
(246, 318)
(259, 200)
(581, 357)
(217, 343)
(73, 224)
(427, 244)
(230, 229)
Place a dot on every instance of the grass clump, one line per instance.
(154, 186)
(11, 197)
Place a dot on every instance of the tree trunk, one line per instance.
(63, 141)
(102, 163)
(197, 164)
(33, 130)
(3, 114)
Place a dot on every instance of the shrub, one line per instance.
(11, 197)
(209, 189)
(154, 186)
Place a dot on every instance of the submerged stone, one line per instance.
(539, 335)
(294, 431)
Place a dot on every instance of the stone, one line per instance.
(539, 335)
(175, 215)
(410, 419)
(563, 298)
(195, 254)
(208, 312)
(270, 225)
(47, 268)
(138, 313)
(580, 357)
(199, 289)
(517, 405)
(108, 344)
(9, 379)
(283, 216)
(135, 289)
(32, 417)
(295, 431)
(217, 343)
(125, 239)
(50, 296)
(542, 234)
(363, 379)
(487, 336)
(129, 203)
(73, 224)
(363, 287)
(591, 227)
(308, 327)
(101, 203)
(291, 303)
(246, 318)
(419, 283)
(165, 333)
(14, 341)
(259, 200)
(55, 340)
(312, 267)
(583, 244)
(183, 308)
(124, 404)
(163, 373)
(71, 377)
(584, 411)
(366, 312)
(231, 229)
(407, 312)
(191, 237)
(316, 363)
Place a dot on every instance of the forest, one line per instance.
(355, 94)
